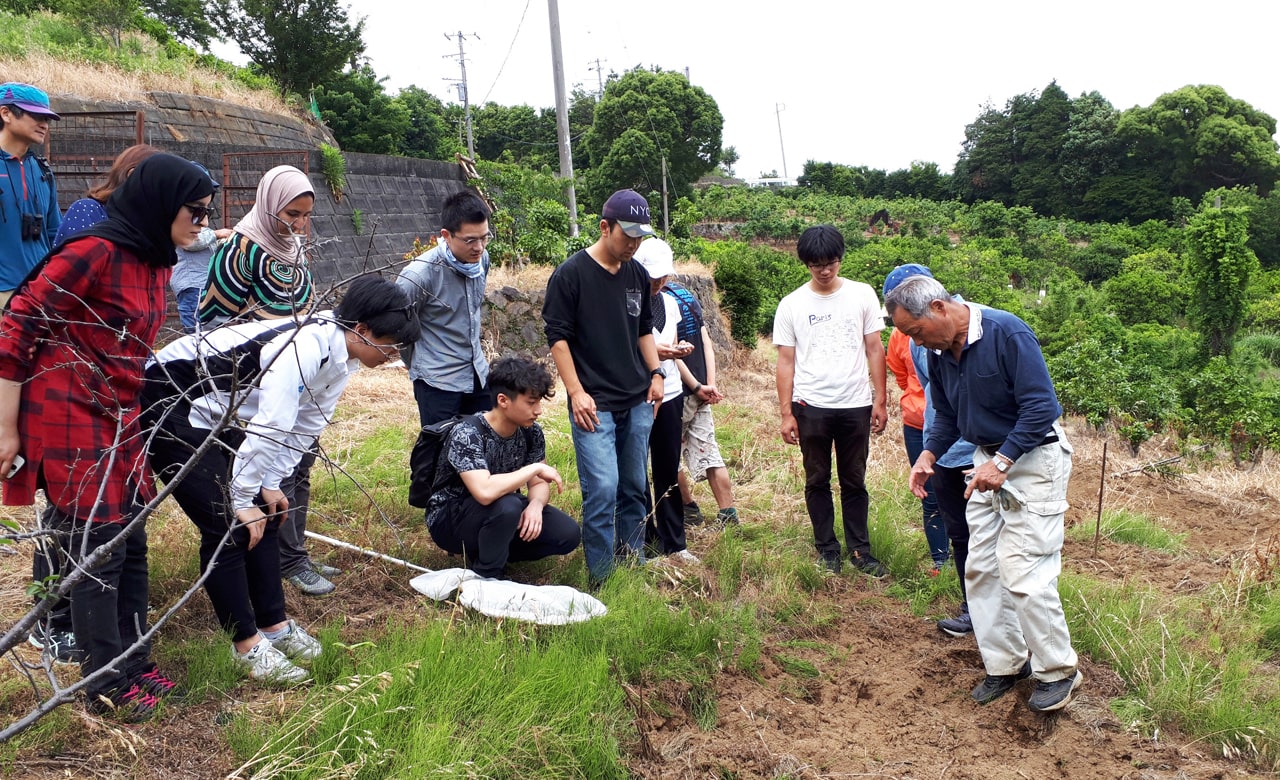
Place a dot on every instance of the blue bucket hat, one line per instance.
(902, 273)
(31, 99)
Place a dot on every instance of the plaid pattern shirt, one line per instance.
(91, 316)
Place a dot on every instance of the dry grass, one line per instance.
(100, 81)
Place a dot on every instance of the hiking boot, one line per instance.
(310, 582)
(264, 662)
(959, 625)
(832, 564)
(684, 556)
(997, 685)
(693, 514)
(324, 570)
(727, 517)
(127, 705)
(158, 685)
(1051, 696)
(297, 643)
(868, 565)
(59, 646)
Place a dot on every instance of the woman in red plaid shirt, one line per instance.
(73, 345)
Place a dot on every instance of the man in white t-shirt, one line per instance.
(831, 391)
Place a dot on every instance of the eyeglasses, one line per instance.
(481, 240)
(390, 351)
(200, 213)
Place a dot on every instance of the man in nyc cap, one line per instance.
(631, 211)
(29, 215)
(599, 325)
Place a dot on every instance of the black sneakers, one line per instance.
(58, 645)
(997, 685)
(832, 564)
(693, 514)
(960, 625)
(868, 565)
(1051, 696)
(127, 705)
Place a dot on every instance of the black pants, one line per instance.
(109, 606)
(436, 405)
(849, 430)
(293, 529)
(949, 487)
(49, 558)
(486, 535)
(244, 585)
(665, 526)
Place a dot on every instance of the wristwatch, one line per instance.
(1002, 464)
(658, 372)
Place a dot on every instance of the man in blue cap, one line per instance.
(29, 215)
(600, 327)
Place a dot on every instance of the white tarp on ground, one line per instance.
(551, 605)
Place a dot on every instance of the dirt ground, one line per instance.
(891, 697)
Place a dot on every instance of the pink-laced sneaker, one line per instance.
(158, 685)
(131, 705)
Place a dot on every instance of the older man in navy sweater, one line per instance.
(990, 385)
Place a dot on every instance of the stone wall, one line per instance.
(398, 198)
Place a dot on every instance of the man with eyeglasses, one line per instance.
(447, 363)
(29, 215)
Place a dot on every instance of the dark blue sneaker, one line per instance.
(1051, 696)
(60, 646)
(997, 685)
(960, 625)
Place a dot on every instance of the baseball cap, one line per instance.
(631, 210)
(902, 273)
(206, 172)
(656, 257)
(26, 97)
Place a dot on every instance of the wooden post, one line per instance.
(1102, 483)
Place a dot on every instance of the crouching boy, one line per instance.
(487, 458)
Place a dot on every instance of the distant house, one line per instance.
(775, 183)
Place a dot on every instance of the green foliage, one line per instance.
(1124, 527)
(532, 219)
(740, 293)
(333, 166)
(1233, 404)
(357, 221)
(429, 134)
(1145, 291)
(110, 18)
(546, 228)
(187, 20)
(1219, 265)
(361, 115)
(643, 116)
(298, 43)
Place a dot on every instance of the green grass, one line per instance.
(1125, 527)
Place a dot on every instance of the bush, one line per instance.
(740, 295)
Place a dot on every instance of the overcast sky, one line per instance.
(859, 83)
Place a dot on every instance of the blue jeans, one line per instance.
(612, 462)
(188, 304)
(935, 528)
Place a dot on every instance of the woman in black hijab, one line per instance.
(73, 345)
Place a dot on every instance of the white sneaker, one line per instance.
(298, 644)
(684, 556)
(266, 663)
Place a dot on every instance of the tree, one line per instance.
(360, 113)
(728, 159)
(516, 134)
(187, 20)
(1090, 149)
(105, 17)
(1219, 264)
(1037, 180)
(647, 115)
(430, 134)
(299, 43)
(1198, 138)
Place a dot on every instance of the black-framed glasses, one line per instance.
(200, 213)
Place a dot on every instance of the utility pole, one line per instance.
(562, 117)
(599, 69)
(778, 108)
(462, 89)
(666, 222)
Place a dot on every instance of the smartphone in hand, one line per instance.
(18, 463)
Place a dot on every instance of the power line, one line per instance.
(462, 88)
(509, 49)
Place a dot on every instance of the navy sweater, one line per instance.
(998, 392)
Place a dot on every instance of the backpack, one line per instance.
(424, 460)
